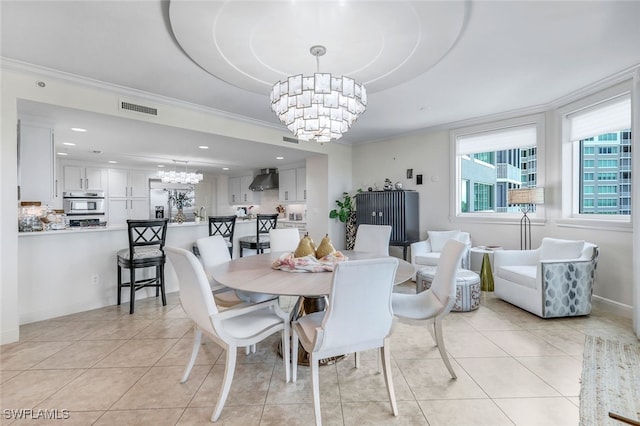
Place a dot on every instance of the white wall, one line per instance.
(429, 153)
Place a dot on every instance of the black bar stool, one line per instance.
(146, 249)
(260, 241)
(225, 226)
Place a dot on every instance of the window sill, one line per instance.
(596, 224)
(497, 219)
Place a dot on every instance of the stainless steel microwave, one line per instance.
(83, 203)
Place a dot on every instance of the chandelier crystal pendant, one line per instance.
(173, 176)
(321, 107)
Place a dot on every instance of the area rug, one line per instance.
(610, 382)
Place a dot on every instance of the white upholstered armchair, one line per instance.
(427, 252)
(554, 280)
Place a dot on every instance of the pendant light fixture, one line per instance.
(179, 177)
(321, 107)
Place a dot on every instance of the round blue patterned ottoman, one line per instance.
(467, 287)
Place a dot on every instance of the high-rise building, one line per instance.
(606, 174)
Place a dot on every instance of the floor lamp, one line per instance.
(526, 198)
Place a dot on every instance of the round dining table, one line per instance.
(255, 273)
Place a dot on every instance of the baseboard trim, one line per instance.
(612, 306)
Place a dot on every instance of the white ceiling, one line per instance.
(424, 63)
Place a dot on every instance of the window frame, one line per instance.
(571, 170)
(537, 217)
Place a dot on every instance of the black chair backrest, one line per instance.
(265, 223)
(222, 225)
(152, 232)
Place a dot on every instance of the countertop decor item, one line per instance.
(321, 107)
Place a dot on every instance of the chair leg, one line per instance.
(157, 281)
(315, 385)
(119, 283)
(441, 348)
(229, 370)
(286, 350)
(294, 354)
(197, 341)
(385, 356)
(160, 272)
(132, 281)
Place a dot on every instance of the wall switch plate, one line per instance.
(418, 179)
(95, 279)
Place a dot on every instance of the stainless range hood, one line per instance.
(267, 179)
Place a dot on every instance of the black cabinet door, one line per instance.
(399, 209)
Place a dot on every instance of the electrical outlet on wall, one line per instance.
(95, 279)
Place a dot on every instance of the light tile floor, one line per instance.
(111, 368)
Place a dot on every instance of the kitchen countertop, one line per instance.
(123, 227)
(105, 229)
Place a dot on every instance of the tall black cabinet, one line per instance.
(400, 209)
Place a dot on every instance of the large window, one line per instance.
(489, 163)
(601, 139)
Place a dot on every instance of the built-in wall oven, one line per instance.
(84, 208)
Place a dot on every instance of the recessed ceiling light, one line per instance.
(160, 165)
(225, 168)
(203, 147)
(112, 161)
(279, 158)
(78, 129)
(68, 143)
(62, 153)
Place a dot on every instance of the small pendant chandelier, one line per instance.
(321, 107)
(179, 177)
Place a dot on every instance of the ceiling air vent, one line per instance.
(290, 140)
(128, 106)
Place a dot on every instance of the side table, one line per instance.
(481, 262)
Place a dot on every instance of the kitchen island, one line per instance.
(74, 270)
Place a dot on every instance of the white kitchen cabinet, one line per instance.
(292, 185)
(128, 183)
(78, 178)
(36, 164)
(301, 184)
(234, 190)
(246, 195)
(128, 195)
(239, 192)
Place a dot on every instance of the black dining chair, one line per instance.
(260, 241)
(146, 249)
(225, 226)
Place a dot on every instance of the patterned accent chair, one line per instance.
(554, 280)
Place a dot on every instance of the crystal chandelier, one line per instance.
(179, 177)
(320, 107)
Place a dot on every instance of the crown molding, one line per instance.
(25, 67)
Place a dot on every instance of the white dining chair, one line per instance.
(346, 326)
(241, 325)
(284, 239)
(436, 302)
(214, 250)
(373, 239)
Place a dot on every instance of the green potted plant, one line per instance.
(345, 207)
